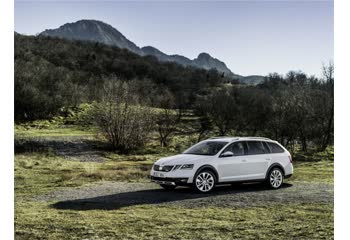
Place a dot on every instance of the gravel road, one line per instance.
(75, 148)
(114, 195)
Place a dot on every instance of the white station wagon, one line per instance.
(225, 160)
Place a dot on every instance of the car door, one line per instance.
(231, 168)
(257, 160)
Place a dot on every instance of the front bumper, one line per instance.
(169, 181)
(288, 176)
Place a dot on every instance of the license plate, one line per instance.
(157, 174)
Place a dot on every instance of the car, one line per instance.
(225, 160)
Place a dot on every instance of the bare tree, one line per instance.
(167, 118)
(121, 117)
(205, 124)
(328, 74)
(221, 108)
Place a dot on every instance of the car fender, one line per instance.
(274, 165)
(207, 166)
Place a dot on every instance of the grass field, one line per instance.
(37, 173)
(38, 220)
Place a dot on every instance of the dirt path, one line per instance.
(75, 148)
(114, 195)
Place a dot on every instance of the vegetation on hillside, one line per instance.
(120, 91)
(53, 74)
(295, 110)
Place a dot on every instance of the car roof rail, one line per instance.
(218, 137)
(261, 138)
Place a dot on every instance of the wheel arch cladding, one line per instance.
(275, 165)
(210, 168)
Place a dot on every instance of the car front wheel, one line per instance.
(275, 178)
(204, 181)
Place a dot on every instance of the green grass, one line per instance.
(21, 131)
(39, 173)
(314, 166)
(287, 221)
(322, 171)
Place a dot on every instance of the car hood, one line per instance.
(182, 159)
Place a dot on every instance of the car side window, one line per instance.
(237, 148)
(255, 147)
(275, 148)
(266, 147)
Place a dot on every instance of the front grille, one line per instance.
(162, 168)
(177, 181)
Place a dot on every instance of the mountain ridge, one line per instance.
(98, 31)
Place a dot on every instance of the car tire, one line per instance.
(168, 187)
(275, 178)
(204, 181)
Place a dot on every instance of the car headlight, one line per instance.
(166, 168)
(187, 166)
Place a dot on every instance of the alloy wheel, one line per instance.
(205, 181)
(276, 178)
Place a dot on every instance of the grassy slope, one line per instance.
(37, 173)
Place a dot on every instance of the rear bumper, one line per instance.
(169, 181)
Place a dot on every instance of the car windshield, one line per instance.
(206, 148)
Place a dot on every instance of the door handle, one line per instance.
(244, 160)
(268, 159)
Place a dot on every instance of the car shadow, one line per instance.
(154, 196)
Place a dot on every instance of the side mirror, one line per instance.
(227, 154)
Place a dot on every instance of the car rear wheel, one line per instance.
(168, 187)
(275, 178)
(204, 181)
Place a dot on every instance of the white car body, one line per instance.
(228, 169)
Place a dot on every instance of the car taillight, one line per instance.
(290, 158)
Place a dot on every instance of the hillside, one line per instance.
(92, 30)
(52, 72)
(97, 31)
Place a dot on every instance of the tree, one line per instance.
(255, 109)
(328, 72)
(122, 118)
(221, 108)
(204, 119)
(328, 129)
(167, 118)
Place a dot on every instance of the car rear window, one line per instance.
(267, 149)
(255, 147)
(275, 148)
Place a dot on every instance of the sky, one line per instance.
(254, 37)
